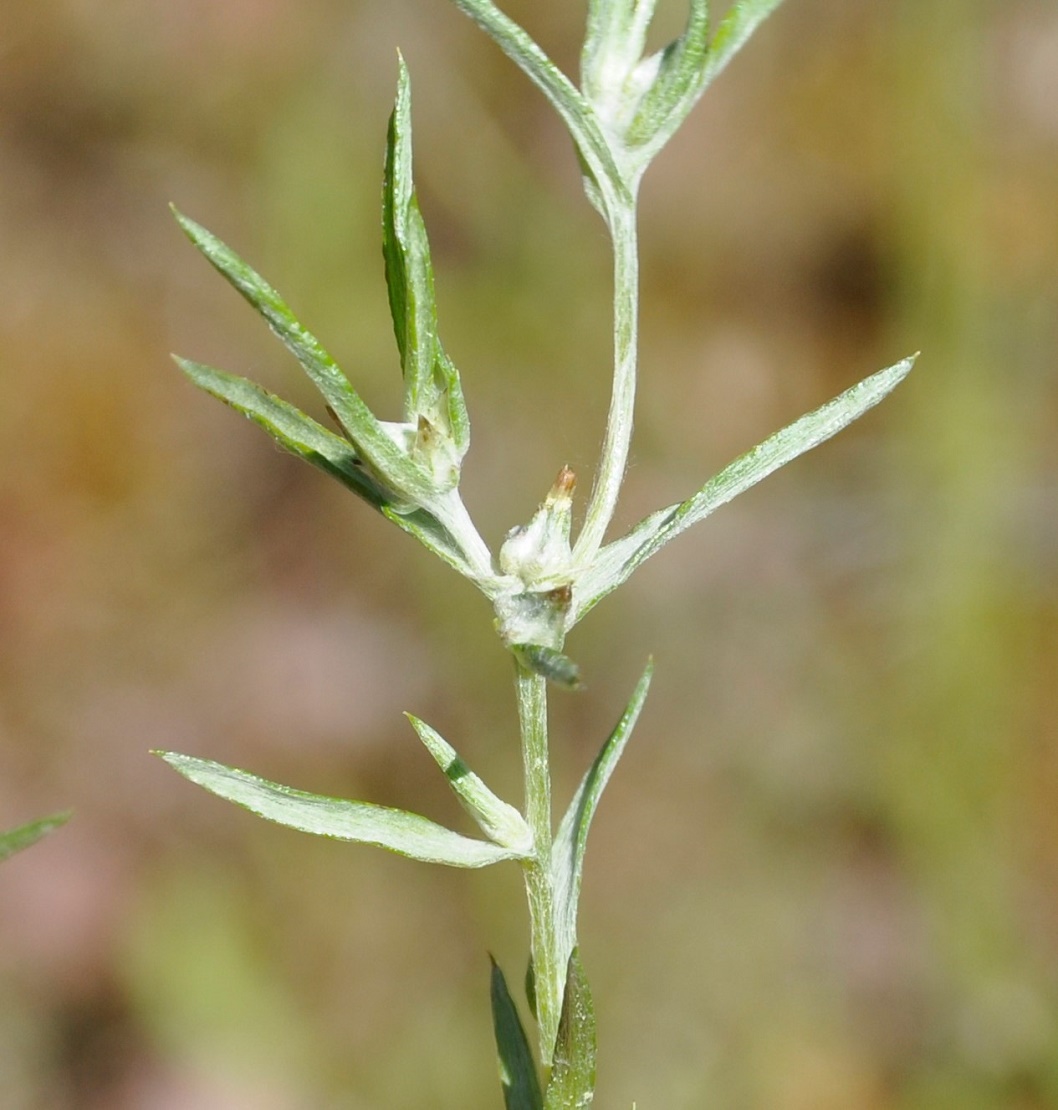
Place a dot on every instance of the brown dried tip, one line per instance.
(565, 483)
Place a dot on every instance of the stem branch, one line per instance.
(614, 456)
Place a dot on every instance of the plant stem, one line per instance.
(452, 514)
(614, 456)
(539, 886)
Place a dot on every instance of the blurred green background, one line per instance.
(826, 874)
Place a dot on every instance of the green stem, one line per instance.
(452, 514)
(614, 456)
(539, 885)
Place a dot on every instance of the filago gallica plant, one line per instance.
(543, 579)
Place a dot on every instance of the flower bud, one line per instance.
(539, 552)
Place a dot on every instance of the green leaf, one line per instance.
(565, 97)
(521, 1085)
(733, 33)
(431, 382)
(674, 90)
(409, 275)
(686, 69)
(408, 834)
(456, 409)
(567, 853)
(644, 100)
(572, 1085)
(500, 822)
(374, 446)
(14, 840)
(617, 560)
(304, 437)
(289, 427)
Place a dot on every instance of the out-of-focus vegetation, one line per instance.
(18, 839)
(868, 918)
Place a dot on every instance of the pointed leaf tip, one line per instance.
(521, 1085)
(498, 820)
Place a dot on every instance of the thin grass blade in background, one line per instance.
(14, 840)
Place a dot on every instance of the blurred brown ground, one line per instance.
(826, 875)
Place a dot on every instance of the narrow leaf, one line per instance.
(521, 1085)
(567, 854)
(733, 33)
(616, 561)
(289, 427)
(14, 840)
(687, 69)
(431, 382)
(397, 201)
(500, 822)
(304, 437)
(374, 446)
(408, 834)
(668, 100)
(565, 97)
(458, 420)
(572, 1085)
